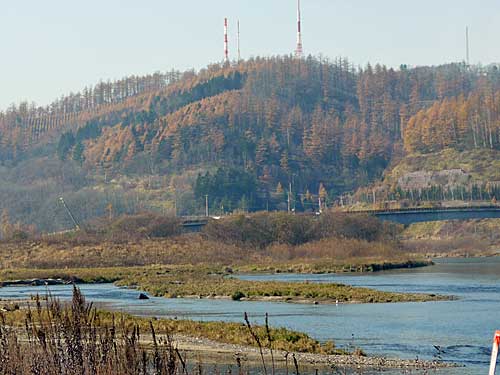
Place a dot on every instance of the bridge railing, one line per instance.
(425, 209)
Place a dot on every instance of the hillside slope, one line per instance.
(243, 135)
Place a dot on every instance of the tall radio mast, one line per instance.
(299, 51)
(239, 51)
(467, 50)
(226, 44)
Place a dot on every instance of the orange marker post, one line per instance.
(494, 353)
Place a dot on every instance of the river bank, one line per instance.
(203, 265)
(212, 283)
(325, 267)
(216, 352)
(225, 343)
(401, 330)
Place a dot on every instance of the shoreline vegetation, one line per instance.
(190, 282)
(168, 346)
(148, 252)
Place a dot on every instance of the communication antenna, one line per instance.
(226, 43)
(467, 49)
(299, 50)
(239, 51)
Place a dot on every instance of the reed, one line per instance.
(72, 340)
(50, 337)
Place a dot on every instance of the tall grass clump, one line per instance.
(71, 340)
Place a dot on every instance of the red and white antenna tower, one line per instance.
(299, 51)
(226, 44)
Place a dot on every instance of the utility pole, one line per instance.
(290, 197)
(206, 205)
(75, 223)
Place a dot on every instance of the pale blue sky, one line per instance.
(52, 47)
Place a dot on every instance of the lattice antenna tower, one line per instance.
(299, 51)
(226, 43)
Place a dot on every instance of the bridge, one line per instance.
(405, 216)
(194, 223)
(409, 216)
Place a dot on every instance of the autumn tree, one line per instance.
(6, 226)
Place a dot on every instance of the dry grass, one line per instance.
(51, 311)
(453, 238)
(330, 254)
(73, 341)
(194, 265)
(266, 240)
(52, 338)
(192, 249)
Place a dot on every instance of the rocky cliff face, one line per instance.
(427, 179)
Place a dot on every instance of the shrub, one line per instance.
(237, 296)
(354, 226)
(147, 225)
(20, 235)
(263, 229)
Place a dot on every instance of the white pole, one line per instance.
(494, 353)
(239, 51)
(467, 51)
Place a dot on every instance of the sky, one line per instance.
(54, 47)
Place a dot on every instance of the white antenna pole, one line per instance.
(467, 45)
(239, 51)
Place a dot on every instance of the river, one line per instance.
(458, 331)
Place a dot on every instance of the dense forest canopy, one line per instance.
(277, 123)
(464, 122)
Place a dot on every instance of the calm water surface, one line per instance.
(457, 331)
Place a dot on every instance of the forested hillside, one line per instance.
(244, 135)
(464, 122)
(452, 150)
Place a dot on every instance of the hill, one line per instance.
(241, 134)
